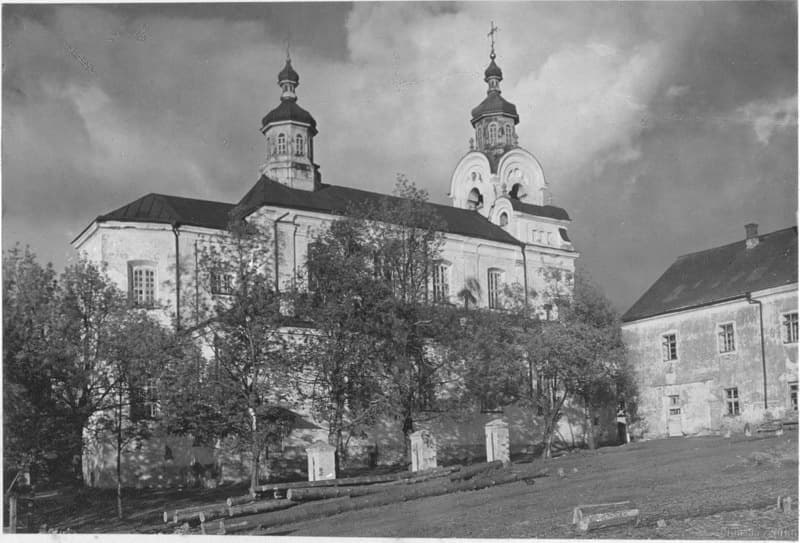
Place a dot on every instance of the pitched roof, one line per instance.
(551, 212)
(161, 208)
(336, 199)
(721, 273)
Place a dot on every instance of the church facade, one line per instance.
(501, 227)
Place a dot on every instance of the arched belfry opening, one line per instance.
(474, 200)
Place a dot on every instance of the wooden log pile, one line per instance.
(389, 495)
(318, 499)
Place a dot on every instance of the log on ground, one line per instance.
(602, 515)
(239, 500)
(390, 495)
(348, 481)
(259, 507)
(193, 516)
(475, 469)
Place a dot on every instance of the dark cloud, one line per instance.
(662, 127)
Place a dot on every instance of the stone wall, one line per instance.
(701, 374)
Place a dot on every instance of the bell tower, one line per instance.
(289, 131)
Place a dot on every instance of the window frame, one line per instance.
(492, 133)
(299, 145)
(281, 144)
(674, 405)
(723, 346)
(493, 287)
(221, 288)
(143, 266)
(440, 282)
(673, 346)
(792, 396)
(732, 406)
(789, 327)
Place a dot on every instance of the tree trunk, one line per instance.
(119, 456)
(590, 437)
(255, 450)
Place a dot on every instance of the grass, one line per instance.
(696, 487)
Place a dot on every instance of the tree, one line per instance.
(241, 392)
(370, 276)
(139, 354)
(578, 357)
(31, 417)
(347, 305)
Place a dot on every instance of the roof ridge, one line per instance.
(161, 195)
(760, 237)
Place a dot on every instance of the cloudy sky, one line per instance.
(662, 127)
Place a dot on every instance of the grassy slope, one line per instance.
(699, 486)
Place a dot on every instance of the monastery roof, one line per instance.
(494, 104)
(288, 110)
(721, 273)
(161, 208)
(337, 199)
(551, 212)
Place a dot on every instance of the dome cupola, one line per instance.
(495, 117)
(290, 130)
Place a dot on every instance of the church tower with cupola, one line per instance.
(289, 131)
(498, 178)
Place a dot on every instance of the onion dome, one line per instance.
(493, 70)
(288, 110)
(288, 74)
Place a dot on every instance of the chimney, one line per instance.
(751, 237)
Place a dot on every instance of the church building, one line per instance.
(501, 227)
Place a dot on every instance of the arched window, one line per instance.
(492, 134)
(504, 219)
(475, 199)
(281, 144)
(299, 148)
(509, 135)
(516, 191)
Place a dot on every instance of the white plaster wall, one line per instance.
(702, 373)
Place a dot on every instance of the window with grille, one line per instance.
(495, 278)
(441, 283)
(281, 144)
(221, 283)
(669, 347)
(793, 396)
(732, 401)
(299, 148)
(675, 404)
(142, 284)
(725, 338)
(790, 328)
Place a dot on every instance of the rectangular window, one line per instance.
(675, 404)
(143, 401)
(793, 396)
(221, 283)
(725, 340)
(494, 288)
(790, 327)
(732, 401)
(669, 347)
(143, 286)
(441, 283)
